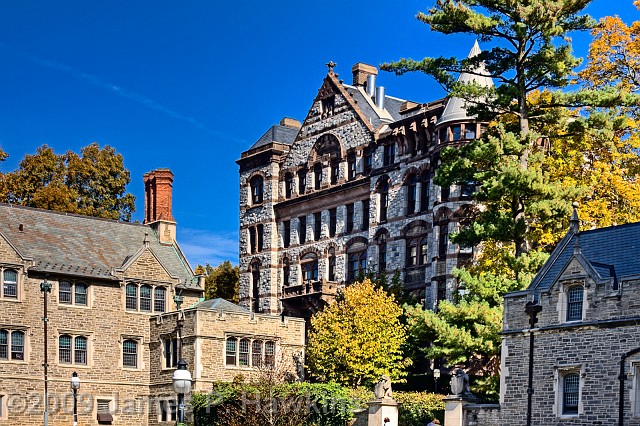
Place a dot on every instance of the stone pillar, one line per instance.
(454, 412)
(380, 409)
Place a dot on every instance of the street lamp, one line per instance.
(45, 288)
(181, 385)
(75, 385)
(436, 376)
(532, 308)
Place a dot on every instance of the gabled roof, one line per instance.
(277, 133)
(82, 246)
(612, 252)
(219, 304)
(455, 108)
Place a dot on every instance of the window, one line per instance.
(350, 217)
(424, 191)
(470, 131)
(231, 350)
(288, 185)
(442, 135)
(247, 352)
(142, 298)
(327, 105)
(357, 265)
(443, 240)
(575, 295)
(384, 200)
(252, 240)
(302, 181)
(317, 225)
(103, 411)
(335, 171)
(412, 252)
(467, 189)
(412, 183)
(72, 350)
(286, 271)
(351, 164)
(257, 189)
(11, 345)
(368, 162)
(10, 284)
(389, 154)
(309, 263)
(64, 349)
(75, 294)
(256, 353)
(444, 193)
(455, 132)
(317, 174)
(382, 256)
(286, 237)
(255, 278)
(570, 393)
(302, 229)
(168, 410)
(365, 215)
(243, 358)
(130, 353)
(332, 264)
(332, 221)
(159, 299)
(170, 347)
(260, 232)
(442, 291)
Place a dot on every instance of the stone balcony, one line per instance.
(303, 300)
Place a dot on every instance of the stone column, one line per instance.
(380, 409)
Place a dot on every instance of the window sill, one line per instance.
(13, 361)
(80, 366)
(71, 305)
(10, 299)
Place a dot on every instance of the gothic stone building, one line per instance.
(349, 190)
(588, 298)
(110, 321)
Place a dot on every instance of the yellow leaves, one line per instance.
(358, 338)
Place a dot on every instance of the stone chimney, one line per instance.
(290, 122)
(158, 188)
(360, 73)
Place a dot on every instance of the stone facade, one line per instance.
(588, 295)
(108, 311)
(348, 191)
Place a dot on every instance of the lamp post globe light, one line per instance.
(75, 385)
(182, 386)
(436, 376)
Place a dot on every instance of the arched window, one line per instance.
(317, 175)
(412, 183)
(424, 191)
(309, 264)
(412, 252)
(256, 353)
(244, 353)
(130, 353)
(80, 294)
(4, 344)
(286, 271)
(332, 264)
(383, 192)
(570, 393)
(160, 299)
(302, 181)
(10, 283)
(257, 189)
(231, 350)
(64, 349)
(357, 265)
(255, 278)
(288, 185)
(269, 353)
(80, 350)
(17, 345)
(443, 240)
(575, 297)
(382, 255)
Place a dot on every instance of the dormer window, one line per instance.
(575, 296)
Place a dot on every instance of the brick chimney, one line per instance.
(158, 188)
(360, 73)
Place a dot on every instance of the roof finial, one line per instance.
(574, 223)
(331, 65)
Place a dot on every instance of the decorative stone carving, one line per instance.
(383, 388)
(460, 384)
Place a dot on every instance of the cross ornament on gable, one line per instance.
(331, 65)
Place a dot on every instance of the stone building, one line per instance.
(586, 302)
(350, 190)
(109, 319)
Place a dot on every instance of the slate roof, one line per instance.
(277, 133)
(219, 304)
(63, 243)
(373, 114)
(612, 252)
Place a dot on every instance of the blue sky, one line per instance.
(190, 84)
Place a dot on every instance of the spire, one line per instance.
(574, 223)
(475, 50)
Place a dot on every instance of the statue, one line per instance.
(460, 383)
(383, 388)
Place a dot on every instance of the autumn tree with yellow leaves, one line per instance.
(358, 338)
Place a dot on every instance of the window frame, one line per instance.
(73, 293)
(265, 358)
(317, 176)
(425, 191)
(169, 352)
(412, 194)
(574, 307)
(286, 233)
(389, 154)
(317, 225)
(288, 185)
(350, 213)
(358, 259)
(138, 298)
(15, 285)
(309, 267)
(256, 185)
(302, 229)
(561, 374)
(135, 356)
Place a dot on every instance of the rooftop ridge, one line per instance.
(82, 216)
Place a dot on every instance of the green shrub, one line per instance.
(418, 408)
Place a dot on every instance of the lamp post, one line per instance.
(45, 287)
(75, 385)
(436, 376)
(532, 308)
(181, 385)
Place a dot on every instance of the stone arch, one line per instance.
(443, 213)
(255, 173)
(327, 145)
(411, 171)
(462, 212)
(381, 233)
(255, 263)
(308, 250)
(411, 227)
(383, 179)
(331, 245)
(359, 240)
